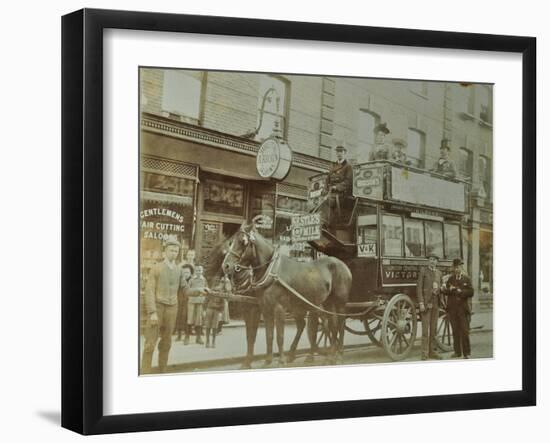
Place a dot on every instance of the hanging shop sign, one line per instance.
(274, 159)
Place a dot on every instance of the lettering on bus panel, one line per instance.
(368, 181)
(366, 250)
(400, 274)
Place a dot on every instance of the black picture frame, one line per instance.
(82, 218)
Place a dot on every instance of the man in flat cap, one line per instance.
(428, 289)
(381, 149)
(164, 282)
(459, 290)
(398, 155)
(339, 183)
(444, 166)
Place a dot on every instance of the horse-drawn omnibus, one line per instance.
(396, 217)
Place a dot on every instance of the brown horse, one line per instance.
(281, 284)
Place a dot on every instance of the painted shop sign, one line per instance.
(274, 159)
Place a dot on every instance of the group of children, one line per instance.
(210, 310)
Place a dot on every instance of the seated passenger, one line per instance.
(444, 166)
(381, 149)
(398, 155)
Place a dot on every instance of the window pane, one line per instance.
(392, 236)
(415, 147)
(434, 238)
(223, 197)
(271, 105)
(414, 238)
(452, 241)
(366, 124)
(181, 93)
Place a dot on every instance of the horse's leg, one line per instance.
(269, 327)
(251, 320)
(341, 322)
(312, 325)
(300, 325)
(280, 323)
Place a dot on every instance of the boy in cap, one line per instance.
(381, 149)
(195, 304)
(214, 308)
(459, 290)
(427, 291)
(444, 166)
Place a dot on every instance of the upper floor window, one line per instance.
(272, 106)
(181, 94)
(486, 104)
(465, 163)
(485, 178)
(367, 123)
(419, 88)
(416, 141)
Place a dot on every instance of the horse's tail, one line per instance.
(341, 281)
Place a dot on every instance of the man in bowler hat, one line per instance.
(459, 290)
(444, 166)
(427, 291)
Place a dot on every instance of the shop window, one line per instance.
(416, 147)
(291, 204)
(434, 238)
(367, 123)
(414, 238)
(452, 241)
(465, 163)
(181, 94)
(272, 106)
(392, 236)
(223, 197)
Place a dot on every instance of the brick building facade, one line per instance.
(200, 132)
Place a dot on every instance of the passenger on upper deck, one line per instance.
(444, 166)
(381, 149)
(398, 155)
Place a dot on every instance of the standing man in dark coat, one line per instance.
(339, 183)
(459, 290)
(427, 291)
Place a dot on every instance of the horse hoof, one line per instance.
(310, 358)
(281, 363)
(290, 358)
(246, 365)
(268, 363)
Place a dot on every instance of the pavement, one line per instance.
(231, 344)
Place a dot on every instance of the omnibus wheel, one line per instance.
(399, 327)
(444, 332)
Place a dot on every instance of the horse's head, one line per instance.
(240, 249)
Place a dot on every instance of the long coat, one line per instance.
(427, 281)
(341, 177)
(459, 299)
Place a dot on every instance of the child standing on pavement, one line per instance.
(214, 308)
(195, 304)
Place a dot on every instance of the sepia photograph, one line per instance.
(290, 221)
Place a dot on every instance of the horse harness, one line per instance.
(271, 276)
